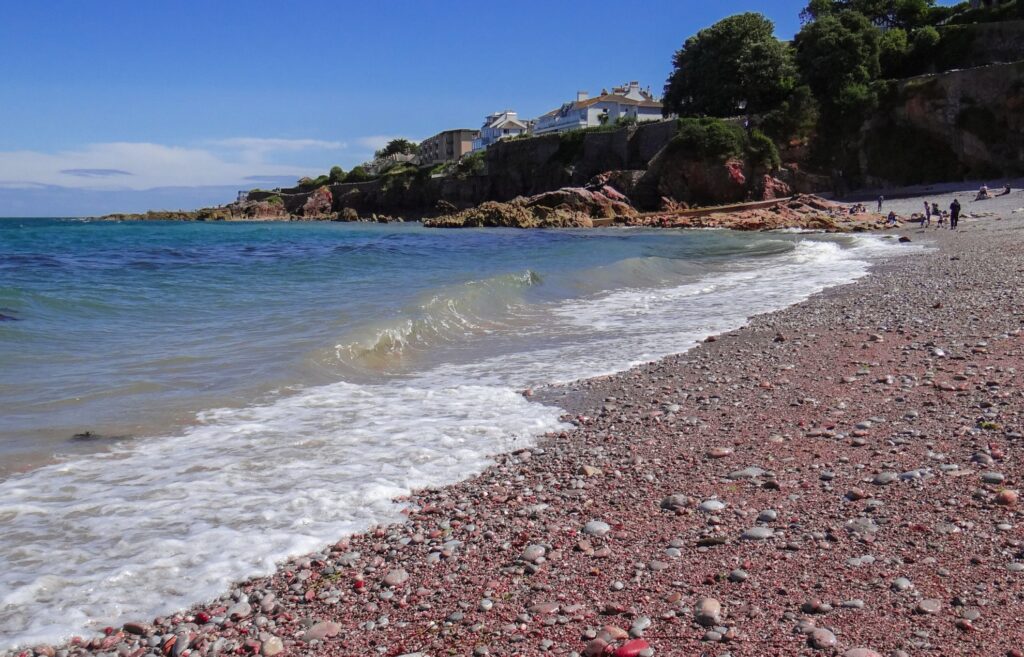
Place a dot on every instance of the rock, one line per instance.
(1007, 497)
(748, 473)
(928, 606)
(595, 648)
(322, 630)
(532, 553)
(239, 610)
(675, 502)
(138, 629)
(738, 575)
(711, 506)
(590, 471)
(768, 515)
(271, 647)
(631, 648)
(719, 452)
(708, 612)
(992, 477)
(861, 652)
(396, 577)
(596, 528)
(758, 533)
(821, 639)
(901, 584)
(885, 478)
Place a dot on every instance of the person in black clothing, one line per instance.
(954, 214)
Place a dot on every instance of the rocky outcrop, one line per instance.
(318, 204)
(802, 211)
(572, 207)
(961, 124)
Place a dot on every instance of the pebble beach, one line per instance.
(837, 478)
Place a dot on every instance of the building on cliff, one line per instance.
(447, 146)
(626, 102)
(498, 126)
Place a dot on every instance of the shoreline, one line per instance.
(546, 581)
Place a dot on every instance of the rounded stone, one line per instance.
(707, 611)
(758, 534)
(885, 478)
(396, 577)
(928, 606)
(821, 639)
(675, 502)
(596, 528)
(711, 506)
(533, 552)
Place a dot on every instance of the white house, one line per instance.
(628, 101)
(499, 125)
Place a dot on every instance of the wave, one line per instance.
(449, 316)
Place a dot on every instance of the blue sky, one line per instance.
(127, 105)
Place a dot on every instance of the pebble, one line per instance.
(747, 473)
(711, 506)
(768, 515)
(596, 528)
(738, 575)
(861, 652)
(885, 478)
(675, 502)
(396, 577)
(707, 612)
(901, 584)
(271, 647)
(928, 606)
(321, 630)
(239, 610)
(821, 639)
(758, 533)
(992, 477)
(1007, 497)
(532, 553)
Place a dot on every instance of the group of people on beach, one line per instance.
(932, 210)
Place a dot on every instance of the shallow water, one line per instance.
(287, 381)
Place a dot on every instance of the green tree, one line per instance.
(358, 174)
(337, 174)
(399, 146)
(838, 58)
(734, 62)
(883, 13)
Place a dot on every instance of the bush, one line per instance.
(762, 152)
(473, 164)
(274, 200)
(709, 138)
(358, 174)
(337, 175)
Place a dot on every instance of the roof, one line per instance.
(504, 120)
(611, 98)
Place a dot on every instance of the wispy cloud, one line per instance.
(143, 165)
(95, 173)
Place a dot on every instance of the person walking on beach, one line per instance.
(927, 221)
(880, 200)
(954, 214)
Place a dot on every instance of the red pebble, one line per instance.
(631, 648)
(359, 585)
(108, 630)
(203, 617)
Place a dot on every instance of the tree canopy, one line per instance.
(734, 62)
(337, 174)
(399, 146)
(883, 13)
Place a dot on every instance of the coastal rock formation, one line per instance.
(318, 204)
(802, 211)
(570, 207)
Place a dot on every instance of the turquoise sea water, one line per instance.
(302, 375)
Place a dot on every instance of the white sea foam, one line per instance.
(161, 523)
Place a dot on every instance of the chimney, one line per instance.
(581, 96)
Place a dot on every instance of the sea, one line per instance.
(184, 405)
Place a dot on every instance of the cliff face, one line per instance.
(961, 124)
(522, 167)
